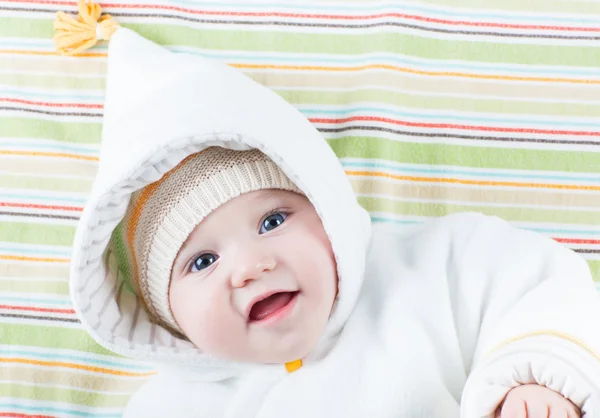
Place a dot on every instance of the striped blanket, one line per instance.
(433, 106)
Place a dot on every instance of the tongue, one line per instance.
(270, 305)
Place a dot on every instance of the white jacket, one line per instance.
(436, 320)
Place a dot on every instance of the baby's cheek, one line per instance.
(187, 306)
(210, 328)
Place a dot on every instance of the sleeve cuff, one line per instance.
(557, 362)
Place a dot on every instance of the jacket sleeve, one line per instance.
(527, 312)
(166, 395)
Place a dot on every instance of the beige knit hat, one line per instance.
(162, 215)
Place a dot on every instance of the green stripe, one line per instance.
(46, 183)
(34, 233)
(44, 336)
(466, 156)
(359, 42)
(17, 372)
(80, 132)
(47, 287)
(123, 257)
(595, 269)
(36, 271)
(68, 81)
(362, 42)
(56, 394)
(421, 101)
(509, 214)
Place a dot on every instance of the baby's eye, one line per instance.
(204, 261)
(272, 221)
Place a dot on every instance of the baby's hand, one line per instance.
(534, 401)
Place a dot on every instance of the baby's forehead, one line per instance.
(262, 198)
(248, 204)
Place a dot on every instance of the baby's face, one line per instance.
(256, 280)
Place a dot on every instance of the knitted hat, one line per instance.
(161, 216)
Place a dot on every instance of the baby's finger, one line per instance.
(537, 410)
(573, 411)
(515, 408)
(558, 413)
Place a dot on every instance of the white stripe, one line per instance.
(38, 221)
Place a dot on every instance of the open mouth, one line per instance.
(271, 306)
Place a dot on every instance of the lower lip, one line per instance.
(279, 314)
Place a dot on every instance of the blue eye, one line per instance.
(204, 261)
(272, 221)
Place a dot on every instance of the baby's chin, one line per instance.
(265, 352)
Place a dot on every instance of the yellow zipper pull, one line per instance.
(293, 366)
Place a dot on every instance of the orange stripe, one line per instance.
(356, 69)
(41, 259)
(50, 154)
(75, 366)
(472, 182)
(138, 207)
(411, 71)
(52, 53)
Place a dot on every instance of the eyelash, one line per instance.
(283, 211)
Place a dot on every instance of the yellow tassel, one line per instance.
(74, 36)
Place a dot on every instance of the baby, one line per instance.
(223, 242)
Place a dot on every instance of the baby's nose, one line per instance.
(250, 269)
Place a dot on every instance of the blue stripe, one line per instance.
(403, 169)
(52, 96)
(266, 58)
(35, 251)
(590, 232)
(395, 221)
(550, 231)
(46, 409)
(82, 360)
(36, 197)
(37, 301)
(379, 58)
(450, 118)
(54, 147)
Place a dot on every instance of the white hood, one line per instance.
(161, 107)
